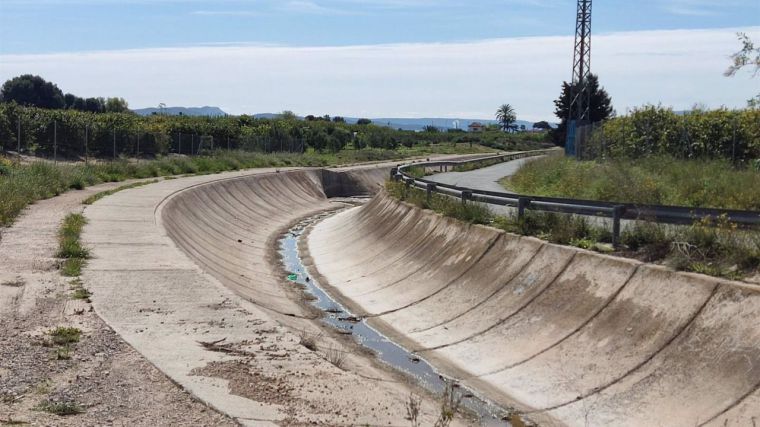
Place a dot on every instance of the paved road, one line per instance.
(481, 179)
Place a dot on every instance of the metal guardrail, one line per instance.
(616, 211)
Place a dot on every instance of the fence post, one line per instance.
(466, 195)
(192, 143)
(733, 149)
(86, 138)
(522, 204)
(114, 143)
(617, 214)
(179, 143)
(18, 140)
(55, 141)
(138, 146)
(431, 187)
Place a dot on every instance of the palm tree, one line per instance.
(506, 116)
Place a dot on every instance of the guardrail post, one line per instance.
(617, 214)
(431, 187)
(394, 171)
(466, 195)
(522, 204)
(409, 182)
(397, 177)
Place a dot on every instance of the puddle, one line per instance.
(338, 317)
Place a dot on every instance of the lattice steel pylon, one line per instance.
(580, 94)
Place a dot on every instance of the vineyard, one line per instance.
(75, 134)
(698, 134)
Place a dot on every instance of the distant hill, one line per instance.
(441, 123)
(395, 123)
(185, 111)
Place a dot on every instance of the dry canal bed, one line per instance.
(392, 354)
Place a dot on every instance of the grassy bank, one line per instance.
(653, 180)
(722, 250)
(22, 184)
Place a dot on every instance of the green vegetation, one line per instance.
(34, 91)
(22, 184)
(107, 135)
(60, 408)
(651, 180)
(95, 197)
(475, 213)
(600, 107)
(716, 248)
(506, 116)
(65, 335)
(699, 134)
(70, 248)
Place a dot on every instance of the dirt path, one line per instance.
(103, 375)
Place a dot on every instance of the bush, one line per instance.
(699, 134)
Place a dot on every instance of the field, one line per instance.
(659, 180)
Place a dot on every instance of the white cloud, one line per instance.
(675, 68)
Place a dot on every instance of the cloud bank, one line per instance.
(469, 79)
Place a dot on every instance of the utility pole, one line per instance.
(580, 93)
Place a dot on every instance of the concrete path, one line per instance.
(486, 179)
(113, 383)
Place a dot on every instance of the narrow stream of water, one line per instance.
(337, 316)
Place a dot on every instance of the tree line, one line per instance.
(34, 91)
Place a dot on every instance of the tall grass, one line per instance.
(475, 213)
(714, 247)
(652, 180)
(23, 184)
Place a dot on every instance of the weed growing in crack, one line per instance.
(308, 341)
(60, 408)
(336, 357)
(413, 409)
(451, 400)
(65, 335)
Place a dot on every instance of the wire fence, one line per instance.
(58, 141)
(684, 137)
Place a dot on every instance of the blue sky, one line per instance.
(376, 57)
(42, 26)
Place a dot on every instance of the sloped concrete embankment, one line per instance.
(569, 336)
(194, 260)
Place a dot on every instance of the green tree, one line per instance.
(364, 122)
(600, 108)
(506, 116)
(544, 125)
(116, 105)
(32, 91)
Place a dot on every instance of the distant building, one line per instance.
(476, 127)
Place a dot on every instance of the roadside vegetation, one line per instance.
(658, 180)
(70, 249)
(22, 184)
(716, 248)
